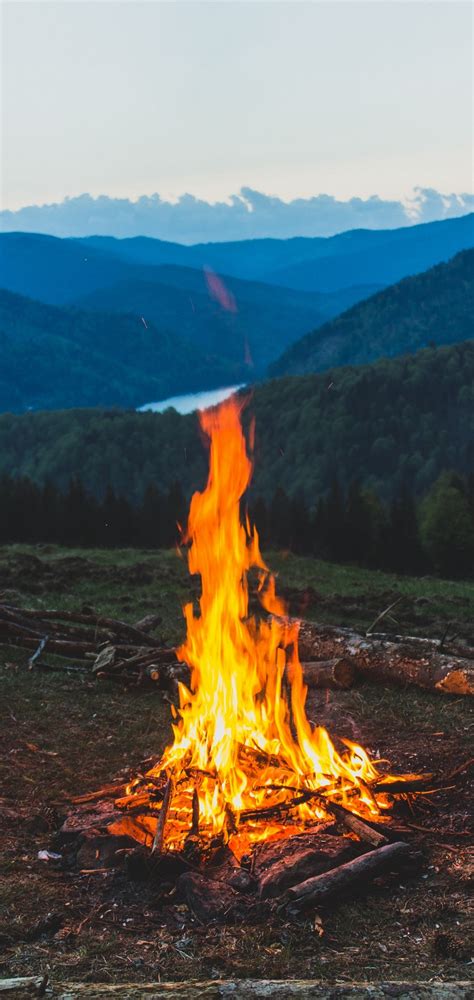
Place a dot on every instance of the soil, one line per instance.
(64, 735)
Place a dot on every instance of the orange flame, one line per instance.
(243, 744)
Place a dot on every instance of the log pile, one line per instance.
(290, 876)
(332, 657)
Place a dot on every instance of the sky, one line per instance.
(292, 99)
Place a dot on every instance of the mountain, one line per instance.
(193, 294)
(54, 357)
(395, 421)
(54, 270)
(234, 319)
(356, 257)
(434, 307)
(246, 322)
(378, 257)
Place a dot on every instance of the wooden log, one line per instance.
(261, 989)
(337, 674)
(315, 891)
(367, 834)
(24, 986)
(285, 863)
(401, 662)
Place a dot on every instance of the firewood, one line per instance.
(107, 792)
(321, 888)
(391, 659)
(24, 986)
(116, 626)
(354, 823)
(297, 859)
(262, 989)
(160, 826)
(337, 674)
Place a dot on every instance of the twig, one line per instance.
(160, 826)
(195, 820)
(38, 652)
(383, 613)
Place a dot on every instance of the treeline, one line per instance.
(397, 421)
(353, 526)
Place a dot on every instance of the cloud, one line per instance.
(247, 215)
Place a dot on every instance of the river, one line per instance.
(192, 401)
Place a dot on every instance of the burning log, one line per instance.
(315, 891)
(160, 827)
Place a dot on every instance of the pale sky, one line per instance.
(290, 98)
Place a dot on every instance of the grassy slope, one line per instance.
(64, 735)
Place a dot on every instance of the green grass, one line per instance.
(61, 735)
(133, 582)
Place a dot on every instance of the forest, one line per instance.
(404, 420)
(354, 526)
(432, 308)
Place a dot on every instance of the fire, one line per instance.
(245, 763)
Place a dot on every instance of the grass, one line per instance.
(61, 735)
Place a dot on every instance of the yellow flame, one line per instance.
(241, 736)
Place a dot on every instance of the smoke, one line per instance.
(247, 215)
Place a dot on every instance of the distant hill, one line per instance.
(434, 307)
(55, 358)
(325, 264)
(252, 326)
(364, 257)
(54, 270)
(238, 320)
(395, 421)
(232, 301)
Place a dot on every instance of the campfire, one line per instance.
(245, 765)
(253, 809)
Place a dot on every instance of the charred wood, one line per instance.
(315, 891)
(299, 858)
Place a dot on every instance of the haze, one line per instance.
(292, 99)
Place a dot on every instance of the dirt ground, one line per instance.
(63, 734)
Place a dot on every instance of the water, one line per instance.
(193, 400)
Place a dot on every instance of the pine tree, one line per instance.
(447, 528)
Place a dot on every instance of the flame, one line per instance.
(245, 763)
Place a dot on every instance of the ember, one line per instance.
(245, 764)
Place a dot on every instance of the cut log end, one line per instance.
(338, 674)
